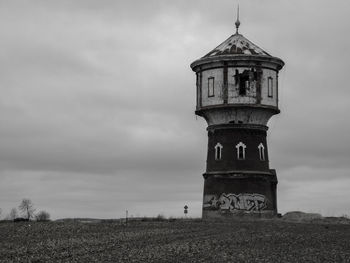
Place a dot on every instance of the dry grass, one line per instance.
(176, 241)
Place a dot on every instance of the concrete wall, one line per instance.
(218, 76)
(233, 88)
(238, 115)
(252, 93)
(265, 99)
(225, 196)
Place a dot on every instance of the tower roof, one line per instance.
(235, 49)
(237, 44)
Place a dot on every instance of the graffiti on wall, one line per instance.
(231, 202)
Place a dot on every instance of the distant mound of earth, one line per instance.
(302, 217)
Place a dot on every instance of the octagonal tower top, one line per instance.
(237, 82)
(237, 47)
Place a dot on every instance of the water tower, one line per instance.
(237, 94)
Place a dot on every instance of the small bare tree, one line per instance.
(27, 208)
(13, 214)
(42, 216)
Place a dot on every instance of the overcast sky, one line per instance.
(97, 103)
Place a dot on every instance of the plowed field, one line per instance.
(177, 241)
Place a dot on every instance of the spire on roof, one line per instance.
(237, 21)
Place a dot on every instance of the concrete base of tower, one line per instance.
(239, 193)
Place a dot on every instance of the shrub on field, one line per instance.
(20, 219)
(160, 217)
(42, 216)
(196, 220)
(145, 219)
(172, 219)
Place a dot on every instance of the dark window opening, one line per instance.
(243, 85)
(218, 153)
(270, 87)
(240, 153)
(211, 87)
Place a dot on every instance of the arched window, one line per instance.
(261, 149)
(241, 150)
(218, 151)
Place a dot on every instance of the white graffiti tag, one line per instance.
(229, 202)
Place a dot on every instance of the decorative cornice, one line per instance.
(200, 110)
(244, 126)
(237, 58)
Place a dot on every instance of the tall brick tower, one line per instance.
(237, 93)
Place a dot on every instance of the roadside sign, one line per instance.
(185, 209)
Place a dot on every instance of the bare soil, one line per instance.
(175, 241)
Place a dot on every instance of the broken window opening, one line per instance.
(245, 80)
(211, 87)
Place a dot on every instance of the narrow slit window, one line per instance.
(270, 87)
(211, 87)
(218, 151)
(197, 85)
(241, 151)
(261, 149)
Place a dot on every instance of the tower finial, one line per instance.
(237, 21)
